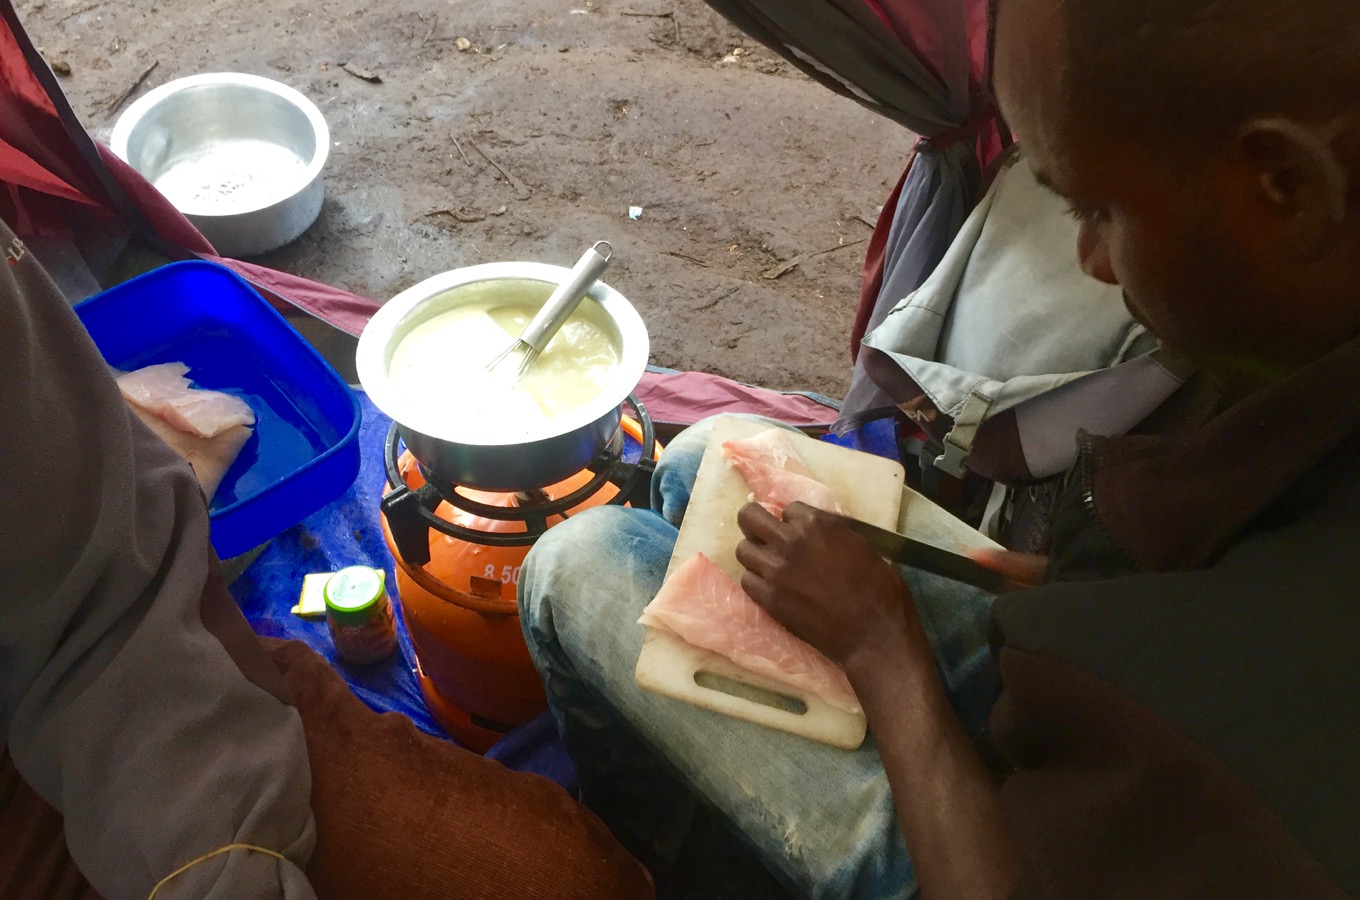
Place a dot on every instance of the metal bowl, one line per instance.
(240, 155)
(495, 455)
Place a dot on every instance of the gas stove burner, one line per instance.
(411, 514)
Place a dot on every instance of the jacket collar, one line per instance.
(1177, 500)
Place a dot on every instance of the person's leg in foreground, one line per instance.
(820, 818)
(399, 815)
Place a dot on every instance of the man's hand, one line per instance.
(828, 586)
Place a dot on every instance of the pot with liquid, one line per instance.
(423, 361)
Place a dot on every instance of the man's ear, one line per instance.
(1301, 178)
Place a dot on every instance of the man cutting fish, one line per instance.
(1176, 705)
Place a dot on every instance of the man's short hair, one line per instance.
(1189, 73)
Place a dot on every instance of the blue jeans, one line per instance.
(660, 772)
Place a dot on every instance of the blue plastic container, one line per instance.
(304, 452)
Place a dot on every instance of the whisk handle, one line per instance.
(567, 297)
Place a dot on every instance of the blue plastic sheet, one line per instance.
(878, 437)
(349, 533)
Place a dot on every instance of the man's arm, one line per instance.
(830, 588)
(133, 696)
(947, 803)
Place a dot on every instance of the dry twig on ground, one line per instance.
(122, 98)
(521, 190)
(790, 264)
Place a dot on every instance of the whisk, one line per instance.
(563, 302)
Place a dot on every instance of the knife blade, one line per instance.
(905, 551)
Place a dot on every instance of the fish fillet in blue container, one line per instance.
(304, 451)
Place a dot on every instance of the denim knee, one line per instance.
(675, 473)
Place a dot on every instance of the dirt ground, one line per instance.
(737, 160)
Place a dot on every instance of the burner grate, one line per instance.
(411, 513)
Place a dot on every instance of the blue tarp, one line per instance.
(348, 533)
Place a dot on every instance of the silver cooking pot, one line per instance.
(224, 132)
(497, 455)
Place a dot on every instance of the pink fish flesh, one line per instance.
(702, 605)
(210, 458)
(776, 473)
(164, 392)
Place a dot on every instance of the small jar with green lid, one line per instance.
(359, 615)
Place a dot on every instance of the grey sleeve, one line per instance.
(133, 696)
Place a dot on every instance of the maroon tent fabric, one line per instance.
(949, 38)
(683, 398)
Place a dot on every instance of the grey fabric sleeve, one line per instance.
(133, 696)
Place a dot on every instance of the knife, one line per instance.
(903, 550)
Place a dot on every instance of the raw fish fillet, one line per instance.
(210, 458)
(207, 428)
(164, 391)
(776, 473)
(701, 604)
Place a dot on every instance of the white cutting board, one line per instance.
(868, 488)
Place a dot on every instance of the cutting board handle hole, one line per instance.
(781, 702)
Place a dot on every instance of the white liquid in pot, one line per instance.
(441, 366)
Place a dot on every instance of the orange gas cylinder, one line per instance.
(473, 666)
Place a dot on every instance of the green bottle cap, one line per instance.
(351, 594)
